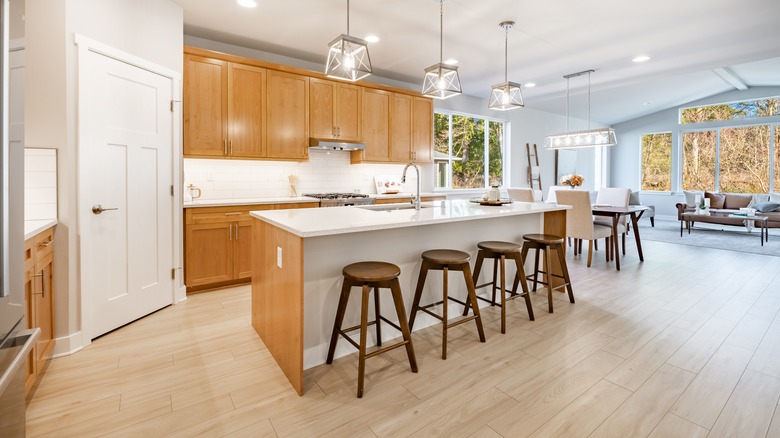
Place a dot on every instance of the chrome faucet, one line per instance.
(403, 180)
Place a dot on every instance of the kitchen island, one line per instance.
(297, 257)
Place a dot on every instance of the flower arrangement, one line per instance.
(572, 180)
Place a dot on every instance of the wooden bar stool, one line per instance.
(446, 260)
(371, 275)
(499, 252)
(546, 243)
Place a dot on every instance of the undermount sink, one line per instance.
(391, 207)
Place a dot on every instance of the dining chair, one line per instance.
(551, 193)
(521, 194)
(579, 220)
(614, 197)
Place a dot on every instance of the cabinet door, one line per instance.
(376, 124)
(246, 111)
(321, 103)
(205, 110)
(242, 247)
(401, 129)
(347, 110)
(208, 252)
(422, 130)
(288, 122)
(30, 375)
(43, 318)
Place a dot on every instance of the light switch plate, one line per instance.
(279, 256)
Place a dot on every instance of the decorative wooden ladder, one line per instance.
(533, 178)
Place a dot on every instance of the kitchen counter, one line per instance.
(284, 200)
(31, 228)
(298, 256)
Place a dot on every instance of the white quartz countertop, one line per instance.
(342, 220)
(31, 228)
(283, 200)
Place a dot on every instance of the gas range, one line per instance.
(340, 199)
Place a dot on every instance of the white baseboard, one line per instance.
(180, 295)
(67, 345)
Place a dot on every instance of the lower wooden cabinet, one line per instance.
(218, 244)
(39, 300)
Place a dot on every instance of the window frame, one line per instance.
(749, 120)
(486, 165)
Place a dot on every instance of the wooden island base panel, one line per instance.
(298, 256)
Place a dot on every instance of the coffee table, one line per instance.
(726, 219)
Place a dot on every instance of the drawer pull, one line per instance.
(42, 293)
(235, 213)
(46, 243)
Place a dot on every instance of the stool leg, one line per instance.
(526, 294)
(523, 257)
(363, 336)
(342, 308)
(495, 272)
(624, 242)
(503, 294)
(548, 278)
(378, 322)
(395, 288)
(444, 317)
(565, 271)
(418, 292)
(477, 269)
(472, 298)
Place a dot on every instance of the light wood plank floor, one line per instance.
(685, 344)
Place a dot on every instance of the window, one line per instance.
(744, 159)
(657, 162)
(468, 151)
(731, 111)
(699, 151)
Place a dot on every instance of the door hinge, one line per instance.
(171, 189)
(172, 102)
(173, 273)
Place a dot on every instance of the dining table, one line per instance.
(632, 211)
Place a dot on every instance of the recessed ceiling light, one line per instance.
(372, 39)
(647, 103)
(530, 84)
(247, 3)
(451, 61)
(641, 58)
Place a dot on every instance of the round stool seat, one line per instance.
(499, 247)
(371, 271)
(547, 239)
(446, 256)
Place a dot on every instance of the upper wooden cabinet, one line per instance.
(401, 128)
(288, 122)
(422, 130)
(224, 109)
(375, 126)
(334, 110)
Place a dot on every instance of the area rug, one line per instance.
(711, 236)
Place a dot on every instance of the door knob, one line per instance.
(97, 209)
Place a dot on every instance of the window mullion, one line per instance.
(717, 161)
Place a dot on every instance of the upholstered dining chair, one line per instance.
(579, 220)
(521, 194)
(551, 193)
(614, 197)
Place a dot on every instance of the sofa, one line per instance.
(731, 203)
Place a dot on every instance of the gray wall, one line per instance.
(625, 157)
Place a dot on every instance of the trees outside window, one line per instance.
(731, 111)
(698, 160)
(777, 159)
(468, 151)
(744, 159)
(657, 162)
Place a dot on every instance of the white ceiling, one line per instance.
(686, 41)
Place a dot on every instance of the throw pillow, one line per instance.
(690, 197)
(634, 199)
(765, 207)
(774, 197)
(716, 199)
(735, 202)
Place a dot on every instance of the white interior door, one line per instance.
(125, 177)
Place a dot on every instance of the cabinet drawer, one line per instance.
(29, 254)
(43, 244)
(216, 215)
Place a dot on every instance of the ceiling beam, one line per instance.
(731, 78)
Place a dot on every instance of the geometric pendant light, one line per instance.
(348, 57)
(441, 80)
(588, 138)
(506, 95)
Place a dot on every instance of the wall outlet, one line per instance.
(210, 176)
(279, 257)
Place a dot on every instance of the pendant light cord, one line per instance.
(567, 105)
(441, 31)
(589, 101)
(506, 54)
(347, 17)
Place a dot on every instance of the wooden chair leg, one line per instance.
(503, 294)
(607, 246)
(652, 221)
(548, 278)
(580, 246)
(395, 288)
(595, 244)
(624, 243)
(536, 264)
(378, 322)
(477, 270)
(342, 308)
(525, 293)
(495, 283)
(363, 336)
(472, 298)
(590, 252)
(418, 292)
(565, 269)
(444, 317)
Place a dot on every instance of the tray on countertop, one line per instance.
(481, 201)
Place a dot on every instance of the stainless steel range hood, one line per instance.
(334, 145)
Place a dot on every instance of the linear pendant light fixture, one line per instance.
(506, 95)
(580, 139)
(441, 80)
(348, 57)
